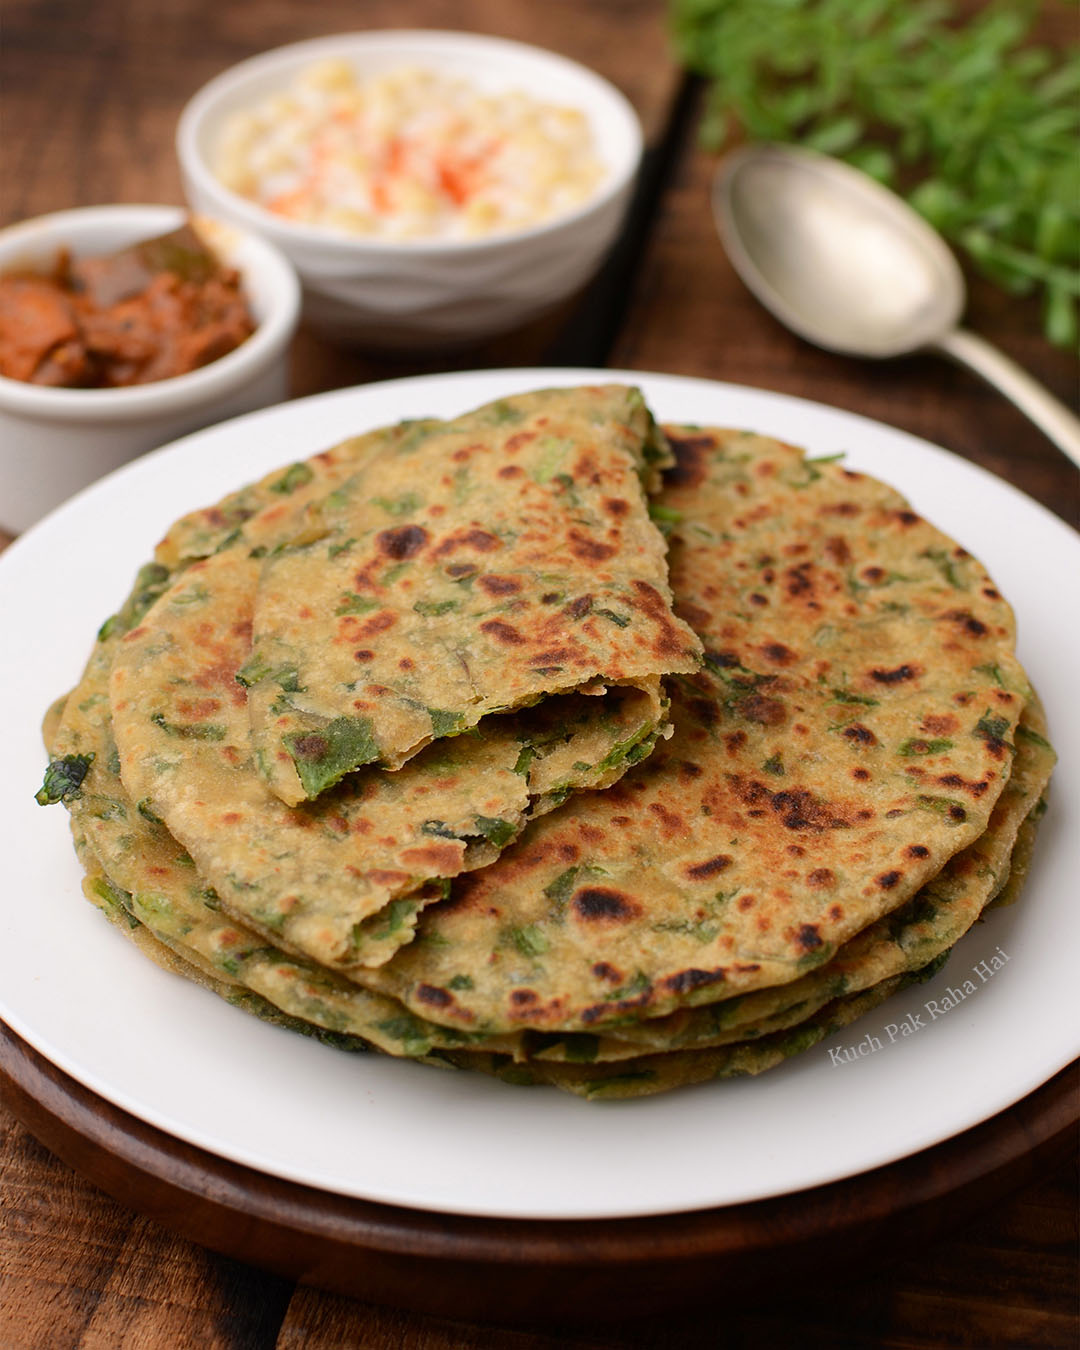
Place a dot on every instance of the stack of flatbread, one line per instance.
(552, 744)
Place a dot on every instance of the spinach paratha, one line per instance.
(471, 568)
(651, 1074)
(140, 872)
(154, 885)
(641, 1077)
(850, 732)
(861, 758)
(931, 923)
(322, 878)
(200, 533)
(195, 644)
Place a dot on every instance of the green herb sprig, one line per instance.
(974, 126)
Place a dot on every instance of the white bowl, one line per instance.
(426, 293)
(55, 441)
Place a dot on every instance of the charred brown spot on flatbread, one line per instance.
(692, 454)
(799, 581)
(939, 724)
(437, 859)
(671, 823)
(808, 938)
(954, 780)
(761, 708)
(604, 904)
(724, 660)
(669, 641)
(377, 623)
(838, 549)
(711, 867)
(684, 981)
(481, 540)
(405, 541)
(694, 615)
(496, 585)
(779, 654)
(502, 632)
(898, 675)
(553, 656)
(587, 549)
(434, 996)
(797, 808)
(965, 620)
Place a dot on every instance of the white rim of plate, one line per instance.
(536, 1153)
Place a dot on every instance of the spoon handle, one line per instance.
(1050, 416)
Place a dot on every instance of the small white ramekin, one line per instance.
(426, 294)
(55, 441)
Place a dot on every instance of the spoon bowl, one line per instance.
(849, 266)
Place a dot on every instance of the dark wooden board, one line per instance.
(530, 1270)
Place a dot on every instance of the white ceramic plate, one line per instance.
(387, 1130)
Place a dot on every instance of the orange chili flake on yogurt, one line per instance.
(408, 154)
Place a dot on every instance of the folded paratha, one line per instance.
(851, 731)
(319, 877)
(470, 568)
(341, 880)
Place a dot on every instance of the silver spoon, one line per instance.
(849, 266)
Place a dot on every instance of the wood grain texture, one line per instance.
(92, 92)
(1006, 1281)
(939, 1295)
(78, 1269)
(530, 1272)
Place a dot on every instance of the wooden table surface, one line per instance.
(88, 101)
